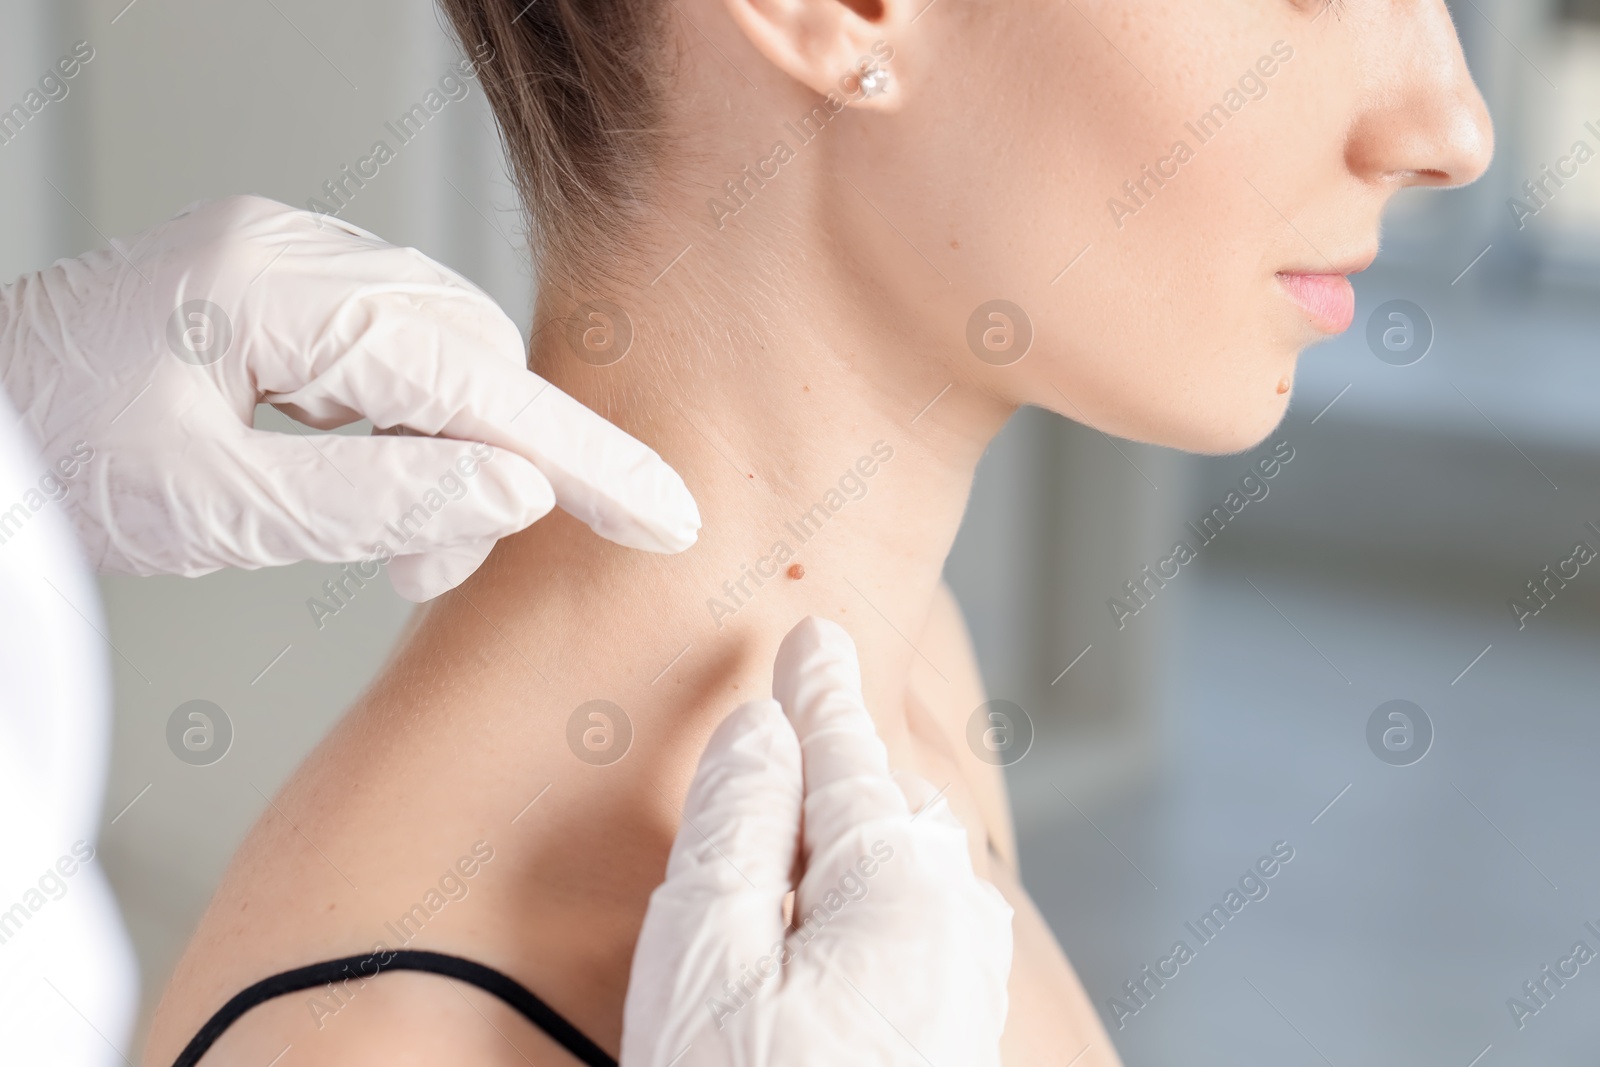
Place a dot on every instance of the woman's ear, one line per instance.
(842, 47)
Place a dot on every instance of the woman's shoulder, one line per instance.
(389, 1019)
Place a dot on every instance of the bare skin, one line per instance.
(469, 724)
(525, 905)
(812, 352)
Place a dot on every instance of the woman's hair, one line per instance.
(574, 88)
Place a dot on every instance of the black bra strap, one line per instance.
(487, 979)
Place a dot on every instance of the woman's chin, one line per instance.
(1247, 432)
(1226, 429)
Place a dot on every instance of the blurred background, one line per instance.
(1441, 459)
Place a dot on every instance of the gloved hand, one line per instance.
(150, 357)
(897, 953)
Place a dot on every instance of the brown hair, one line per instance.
(573, 85)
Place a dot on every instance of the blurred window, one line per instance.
(1552, 189)
(1581, 11)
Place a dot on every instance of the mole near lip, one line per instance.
(1329, 300)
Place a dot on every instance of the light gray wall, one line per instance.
(30, 212)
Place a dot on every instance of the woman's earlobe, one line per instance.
(869, 84)
(838, 48)
(873, 82)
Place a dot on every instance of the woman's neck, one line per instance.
(831, 469)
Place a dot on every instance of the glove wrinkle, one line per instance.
(330, 324)
(896, 954)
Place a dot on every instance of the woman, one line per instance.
(815, 253)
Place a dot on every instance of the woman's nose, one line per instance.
(1425, 122)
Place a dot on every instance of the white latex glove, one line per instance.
(898, 955)
(114, 356)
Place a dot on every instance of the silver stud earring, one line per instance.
(874, 82)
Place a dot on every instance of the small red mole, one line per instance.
(956, 245)
(1283, 385)
(796, 571)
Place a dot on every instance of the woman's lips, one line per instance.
(1329, 299)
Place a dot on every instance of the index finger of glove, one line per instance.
(817, 678)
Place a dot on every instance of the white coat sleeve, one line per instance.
(68, 978)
